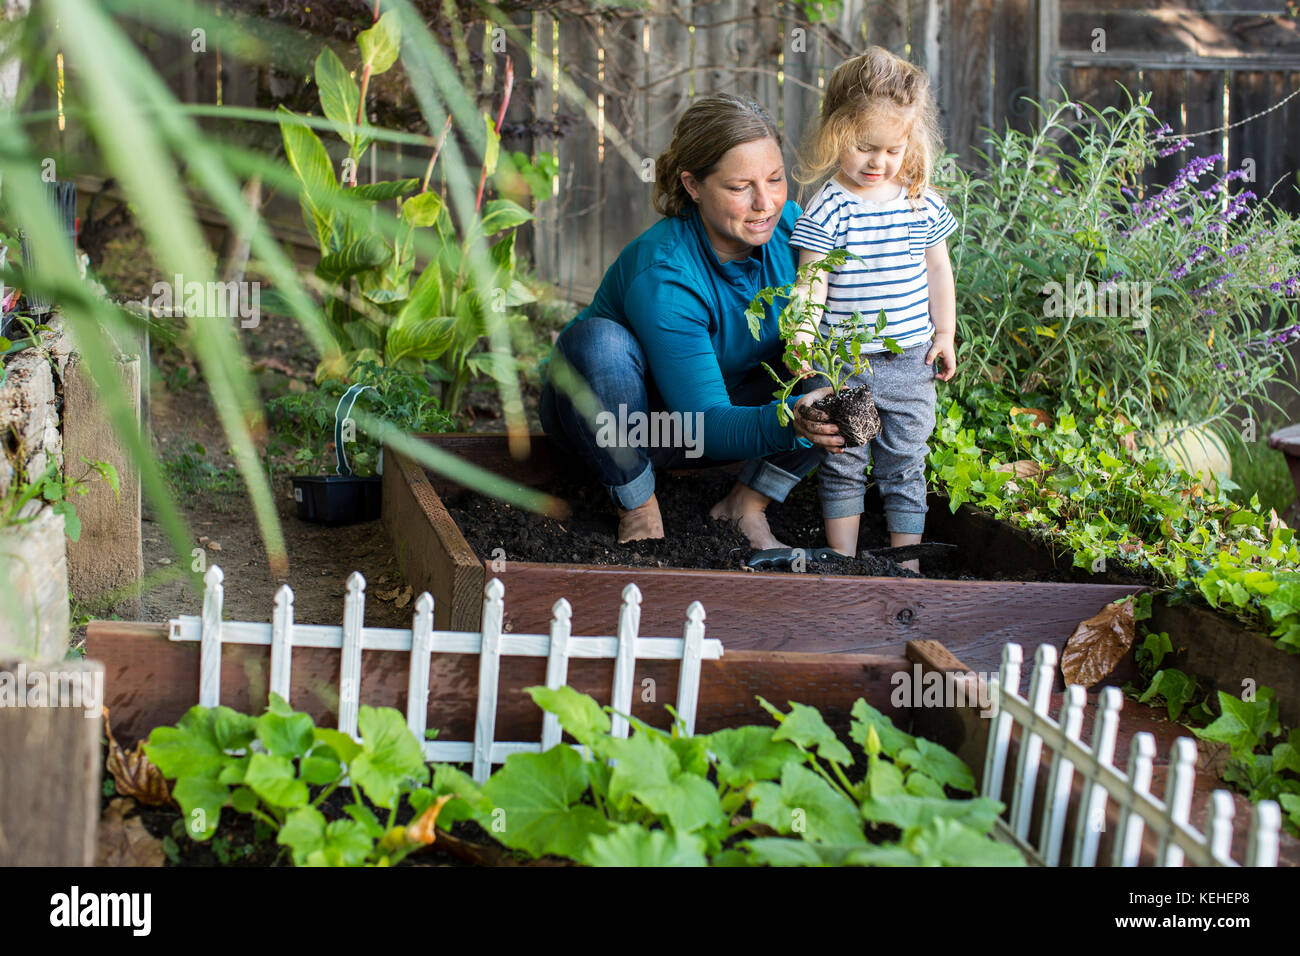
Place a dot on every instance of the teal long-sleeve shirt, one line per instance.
(687, 310)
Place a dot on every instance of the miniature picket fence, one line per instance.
(422, 641)
(1179, 843)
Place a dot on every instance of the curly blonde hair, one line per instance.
(710, 127)
(875, 87)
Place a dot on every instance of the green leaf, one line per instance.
(1240, 725)
(422, 209)
(243, 800)
(311, 163)
(1156, 645)
(471, 799)
(187, 750)
(344, 747)
(805, 804)
(319, 771)
(649, 772)
(390, 758)
(272, 778)
(503, 214)
(946, 842)
(425, 339)
(535, 804)
(384, 189)
(201, 800)
(288, 736)
(1174, 686)
(935, 761)
(580, 715)
(892, 740)
(381, 43)
(366, 817)
(779, 851)
(340, 98)
(491, 152)
(368, 252)
(907, 812)
(805, 727)
(746, 754)
(628, 844)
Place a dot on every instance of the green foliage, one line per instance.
(268, 767)
(656, 798)
(58, 492)
(302, 424)
(1108, 504)
(1066, 272)
(377, 309)
(836, 352)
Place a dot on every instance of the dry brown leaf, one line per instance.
(125, 842)
(133, 772)
(1044, 419)
(1098, 644)
(388, 595)
(214, 545)
(1022, 468)
(404, 598)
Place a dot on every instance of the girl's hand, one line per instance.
(943, 348)
(815, 425)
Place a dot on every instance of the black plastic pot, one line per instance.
(337, 499)
(342, 498)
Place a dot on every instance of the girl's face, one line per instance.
(877, 156)
(741, 200)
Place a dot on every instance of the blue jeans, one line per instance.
(609, 358)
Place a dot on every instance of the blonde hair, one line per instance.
(707, 130)
(876, 86)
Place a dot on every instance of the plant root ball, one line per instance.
(854, 411)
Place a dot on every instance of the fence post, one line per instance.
(1128, 848)
(489, 664)
(629, 622)
(1062, 776)
(995, 760)
(557, 666)
(1087, 831)
(417, 685)
(1219, 831)
(688, 677)
(354, 613)
(1178, 799)
(210, 643)
(1262, 848)
(1031, 744)
(282, 642)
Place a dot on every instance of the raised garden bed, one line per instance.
(807, 612)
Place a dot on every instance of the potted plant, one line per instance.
(834, 351)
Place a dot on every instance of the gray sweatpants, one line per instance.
(903, 387)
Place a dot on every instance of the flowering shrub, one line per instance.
(1176, 299)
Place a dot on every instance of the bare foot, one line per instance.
(640, 523)
(913, 565)
(745, 507)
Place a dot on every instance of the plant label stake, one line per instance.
(340, 498)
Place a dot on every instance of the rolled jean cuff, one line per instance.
(842, 507)
(637, 491)
(767, 479)
(905, 522)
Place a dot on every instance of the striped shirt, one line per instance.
(892, 238)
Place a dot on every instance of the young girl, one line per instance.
(878, 134)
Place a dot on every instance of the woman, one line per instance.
(667, 332)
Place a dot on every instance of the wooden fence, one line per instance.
(1178, 842)
(421, 642)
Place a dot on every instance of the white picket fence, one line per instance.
(422, 641)
(1179, 843)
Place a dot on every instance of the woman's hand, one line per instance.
(814, 424)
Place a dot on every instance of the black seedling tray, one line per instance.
(337, 499)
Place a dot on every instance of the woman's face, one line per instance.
(741, 200)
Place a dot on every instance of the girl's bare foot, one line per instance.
(640, 523)
(745, 507)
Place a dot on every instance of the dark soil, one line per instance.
(693, 540)
(854, 411)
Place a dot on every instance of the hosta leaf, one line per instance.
(340, 97)
(805, 804)
(628, 844)
(535, 804)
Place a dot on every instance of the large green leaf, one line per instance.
(316, 843)
(947, 842)
(311, 164)
(272, 778)
(746, 754)
(385, 189)
(906, 812)
(340, 97)
(390, 756)
(201, 800)
(422, 209)
(503, 214)
(649, 772)
(805, 727)
(782, 851)
(939, 763)
(578, 714)
(424, 339)
(629, 844)
(381, 43)
(189, 749)
(805, 804)
(535, 804)
(368, 252)
(470, 797)
(892, 740)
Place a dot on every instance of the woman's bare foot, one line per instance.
(745, 507)
(641, 522)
